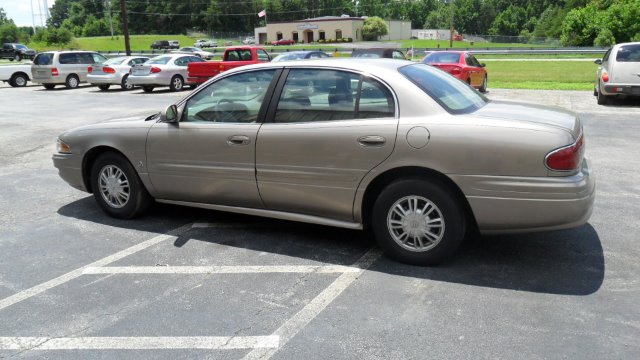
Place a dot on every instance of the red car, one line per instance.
(460, 64)
(283, 42)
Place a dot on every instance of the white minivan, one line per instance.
(619, 73)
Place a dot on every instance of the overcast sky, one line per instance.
(20, 10)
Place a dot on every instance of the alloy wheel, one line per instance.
(415, 223)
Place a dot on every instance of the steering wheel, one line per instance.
(225, 115)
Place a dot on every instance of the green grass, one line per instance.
(459, 44)
(543, 75)
(106, 43)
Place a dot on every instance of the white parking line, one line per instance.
(139, 343)
(329, 269)
(25, 294)
(296, 323)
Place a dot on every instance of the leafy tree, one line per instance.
(374, 27)
(8, 32)
(3, 16)
(509, 22)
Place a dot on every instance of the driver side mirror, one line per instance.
(170, 115)
(598, 61)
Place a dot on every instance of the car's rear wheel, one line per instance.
(602, 99)
(177, 83)
(418, 221)
(483, 88)
(72, 81)
(49, 86)
(103, 87)
(147, 89)
(117, 187)
(18, 80)
(124, 84)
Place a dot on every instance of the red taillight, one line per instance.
(605, 76)
(108, 70)
(90, 69)
(566, 158)
(155, 70)
(54, 72)
(456, 71)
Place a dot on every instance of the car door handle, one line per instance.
(371, 140)
(238, 140)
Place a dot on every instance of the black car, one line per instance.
(161, 45)
(17, 52)
(378, 53)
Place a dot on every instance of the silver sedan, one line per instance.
(114, 71)
(403, 149)
(164, 70)
(195, 51)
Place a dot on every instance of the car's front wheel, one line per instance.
(18, 80)
(18, 57)
(418, 221)
(117, 187)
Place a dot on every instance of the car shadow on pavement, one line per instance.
(630, 102)
(568, 262)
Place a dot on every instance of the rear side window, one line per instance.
(452, 94)
(628, 53)
(43, 59)
(68, 58)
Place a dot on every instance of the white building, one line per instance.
(432, 34)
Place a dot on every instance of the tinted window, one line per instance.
(21, 47)
(234, 99)
(628, 53)
(262, 55)
(606, 55)
(183, 61)
(98, 58)
(43, 59)
(68, 58)
(115, 61)
(325, 95)
(84, 58)
(442, 58)
(160, 60)
(398, 55)
(453, 95)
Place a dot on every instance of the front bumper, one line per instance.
(504, 204)
(70, 169)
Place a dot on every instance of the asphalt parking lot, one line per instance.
(185, 283)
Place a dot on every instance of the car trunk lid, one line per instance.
(141, 69)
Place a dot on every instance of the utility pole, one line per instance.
(110, 21)
(451, 27)
(125, 26)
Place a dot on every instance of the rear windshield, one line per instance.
(285, 57)
(452, 94)
(43, 59)
(367, 55)
(442, 58)
(160, 60)
(115, 61)
(629, 53)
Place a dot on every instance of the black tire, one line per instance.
(49, 86)
(72, 81)
(483, 88)
(138, 200)
(147, 89)
(469, 81)
(19, 80)
(124, 84)
(602, 99)
(177, 83)
(447, 208)
(11, 59)
(104, 87)
(18, 57)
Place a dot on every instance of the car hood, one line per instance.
(129, 122)
(532, 113)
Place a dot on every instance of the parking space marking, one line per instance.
(33, 291)
(140, 343)
(298, 321)
(328, 269)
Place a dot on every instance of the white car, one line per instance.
(619, 73)
(16, 75)
(202, 43)
(249, 40)
(164, 70)
(114, 71)
(195, 51)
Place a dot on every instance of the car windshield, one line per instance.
(629, 53)
(367, 55)
(452, 94)
(115, 61)
(43, 59)
(160, 60)
(21, 47)
(442, 58)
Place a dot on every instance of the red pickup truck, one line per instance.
(235, 56)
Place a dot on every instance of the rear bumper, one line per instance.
(56, 80)
(70, 169)
(621, 89)
(516, 205)
(150, 80)
(104, 79)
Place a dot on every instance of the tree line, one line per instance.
(574, 22)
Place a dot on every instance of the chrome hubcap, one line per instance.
(114, 186)
(73, 82)
(20, 81)
(415, 223)
(177, 83)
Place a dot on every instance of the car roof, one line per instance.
(69, 51)
(357, 64)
